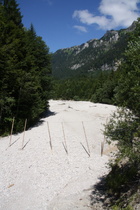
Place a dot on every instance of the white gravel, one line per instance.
(39, 177)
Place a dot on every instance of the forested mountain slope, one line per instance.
(91, 57)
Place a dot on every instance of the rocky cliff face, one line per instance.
(92, 56)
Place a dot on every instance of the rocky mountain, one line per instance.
(93, 56)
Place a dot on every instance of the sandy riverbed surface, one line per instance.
(59, 161)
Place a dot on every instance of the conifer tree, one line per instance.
(11, 48)
(24, 65)
(12, 11)
(34, 84)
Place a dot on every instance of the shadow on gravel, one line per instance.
(99, 197)
(120, 192)
(47, 113)
(41, 120)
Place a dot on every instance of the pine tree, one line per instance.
(12, 11)
(24, 69)
(34, 84)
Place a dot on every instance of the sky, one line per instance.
(66, 23)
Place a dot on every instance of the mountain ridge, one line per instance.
(93, 56)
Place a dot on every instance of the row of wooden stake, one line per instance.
(87, 150)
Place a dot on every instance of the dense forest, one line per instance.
(25, 70)
(100, 88)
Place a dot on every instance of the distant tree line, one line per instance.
(24, 70)
(99, 88)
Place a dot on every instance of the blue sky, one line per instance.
(66, 23)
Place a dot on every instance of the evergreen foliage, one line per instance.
(24, 70)
(128, 89)
(99, 88)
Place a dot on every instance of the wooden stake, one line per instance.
(11, 131)
(49, 135)
(65, 143)
(102, 148)
(86, 137)
(24, 134)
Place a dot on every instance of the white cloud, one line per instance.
(81, 28)
(87, 18)
(113, 13)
